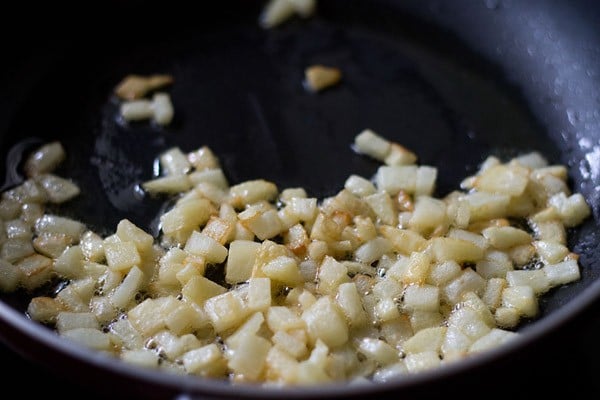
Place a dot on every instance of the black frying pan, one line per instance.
(454, 81)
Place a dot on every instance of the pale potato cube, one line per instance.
(325, 322)
(400, 155)
(53, 244)
(58, 190)
(214, 176)
(121, 256)
(535, 278)
(459, 250)
(468, 281)
(92, 246)
(92, 338)
(495, 264)
(492, 296)
(225, 311)
(486, 206)
(36, 270)
(207, 360)
(174, 346)
(264, 225)
(252, 191)
(550, 231)
(507, 317)
(424, 361)
(378, 351)
(55, 224)
(444, 272)
(562, 273)
(425, 180)
(425, 319)
(470, 322)
(44, 159)
(393, 179)
(127, 231)
(403, 240)
(359, 186)
(503, 179)
(421, 297)
(10, 277)
(331, 274)
(414, 270)
(259, 294)
(283, 269)
(240, 260)
(573, 209)
(70, 263)
(349, 300)
(249, 357)
(203, 158)
(202, 245)
(551, 252)
(143, 357)
(428, 339)
(506, 236)
(318, 77)
(171, 184)
(494, 339)
(372, 250)
(124, 334)
(184, 218)
(199, 289)
(382, 205)
(475, 238)
(371, 144)
(71, 320)
(103, 309)
(293, 342)
(281, 318)
(523, 298)
(385, 309)
(456, 344)
(389, 372)
(186, 318)
(128, 289)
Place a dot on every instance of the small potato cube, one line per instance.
(53, 244)
(393, 179)
(44, 309)
(121, 256)
(54, 224)
(562, 273)
(359, 186)
(326, 323)
(281, 318)
(207, 361)
(241, 258)
(10, 277)
(293, 342)
(371, 144)
(70, 263)
(35, 271)
(492, 296)
(503, 179)
(486, 206)
(399, 155)
(71, 320)
(451, 249)
(259, 294)
(372, 250)
(444, 272)
(320, 77)
(495, 264)
(507, 317)
(493, 339)
(219, 229)
(330, 275)
(127, 231)
(418, 362)
(551, 252)
(425, 182)
(44, 159)
(422, 297)
(202, 245)
(199, 289)
(264, 225)
(225, 311)
(92, 246)
(283, 269)
(171, 184)
(506, 236)
(429, 339)
(382, 205)
(248, 359)
(250, 192)
(403, 240)
(468, 281)
(184, 218)
(92, 338)
(536, 279)
(58, 190)
(573, 209)
(349, 301)
(378, 351)
(144, 358)
(523, 298)
(128, 289)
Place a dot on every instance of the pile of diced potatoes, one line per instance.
(380, 280)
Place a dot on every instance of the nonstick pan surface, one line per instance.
(453, 81)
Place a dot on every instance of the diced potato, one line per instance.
(44, 309)
(92, 338)
(421, 297)
(326, 323)
(349, 300)
(503, 179)
(283, 269)
(393, 179)
(44, 159)
(536, 279)
(171, 184)
(207, 360)
(495, 338)
(250, 192)
(121, 256)
(378, 350)
(72, 320)
(468, 281)
(506, 236)
(359, 186)
(14, 250)
(70, 263)
(447, 249)
(403, 240)
(331, 274)
(92, 246)
(225, 311)
(143, 358)
(429, 339)
(562, 273)
(371, 144)
(259, 294)
(58, 190)
(319, 77)
(485, 206)
(382, 205)
(36, 270)
(522, 298)
(10, 277)
(264, 225)
(372, 250)
(418, 362)
(202, 245)
(128, 289)
(184, 218)
(199, 289)
(240, 260)
(55, 224)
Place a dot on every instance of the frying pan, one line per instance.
(453, 81)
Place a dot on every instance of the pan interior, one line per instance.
(239, 90)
